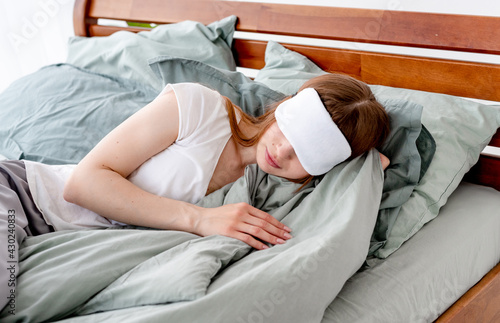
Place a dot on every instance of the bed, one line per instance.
(430, 251)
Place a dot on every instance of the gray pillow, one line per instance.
(252, 97)
(406, 138)
(125, 54)
(461, 129)
(286, 70)
(59, 113)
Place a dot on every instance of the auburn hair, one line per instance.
(351, 104)
(354, 109)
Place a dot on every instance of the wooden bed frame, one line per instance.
(444, 32)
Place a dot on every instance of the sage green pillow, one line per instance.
(460, 128)
(125, 54)
(252, 97)
(285, 70)
(57, 114)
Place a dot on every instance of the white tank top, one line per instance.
(182, 171)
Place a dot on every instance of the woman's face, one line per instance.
(276, 156)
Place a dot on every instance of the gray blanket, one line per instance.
(134, 275)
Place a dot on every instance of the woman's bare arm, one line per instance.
(99, 183)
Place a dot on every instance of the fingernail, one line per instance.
(287, 229)
(280, 240)
(265, 247)
(287, 235)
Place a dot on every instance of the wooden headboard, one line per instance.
(443, 32)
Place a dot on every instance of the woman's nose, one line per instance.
(285, 150)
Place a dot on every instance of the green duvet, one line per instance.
(141, 275)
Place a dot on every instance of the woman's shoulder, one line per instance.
(192, 89)
(199, 107)
(194, 95)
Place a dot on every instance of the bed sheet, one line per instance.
(432, 270)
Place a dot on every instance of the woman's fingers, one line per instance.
(267, 218)
(251, 241)
(262, 227)
(262, 235)
(243, 222)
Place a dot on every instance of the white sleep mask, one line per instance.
(316, 139)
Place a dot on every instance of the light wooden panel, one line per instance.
(414, 29)
(475, 80)
(480, 304)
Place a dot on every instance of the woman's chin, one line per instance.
(265, 167)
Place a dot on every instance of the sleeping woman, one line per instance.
(188, 142)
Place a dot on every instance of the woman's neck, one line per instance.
(247, 155)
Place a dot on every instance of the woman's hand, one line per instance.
(243, 222)
(385, 161)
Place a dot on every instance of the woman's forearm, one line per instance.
(107, 193)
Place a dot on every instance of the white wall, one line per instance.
(34, 33)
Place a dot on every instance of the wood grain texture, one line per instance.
(414, 29)
(374, 26)
(418, 73)
(495, 141)
(80, 13)
(485, 172)
(480, 304)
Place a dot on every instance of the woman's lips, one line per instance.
(271, 161)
